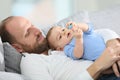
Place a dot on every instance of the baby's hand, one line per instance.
(78, 34)
(72, 25)
(83, 26)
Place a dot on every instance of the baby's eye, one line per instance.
(63, 29)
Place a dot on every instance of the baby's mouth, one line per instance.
(68, 34)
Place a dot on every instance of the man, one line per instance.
(22, 35)
(25, 37)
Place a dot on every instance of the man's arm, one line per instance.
(105, 61)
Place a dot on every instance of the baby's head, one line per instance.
(58, 37)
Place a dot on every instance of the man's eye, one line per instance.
(27, 34)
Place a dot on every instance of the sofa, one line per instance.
(10, 58)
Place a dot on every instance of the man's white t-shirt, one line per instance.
(54, 67)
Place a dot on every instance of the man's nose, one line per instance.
(36, 31)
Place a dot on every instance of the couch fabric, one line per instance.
(108, 18)
(12, 58)
(2, 64)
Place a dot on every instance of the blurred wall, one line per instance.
(5, 8)
(50, 11)
(43, 13)
(107, 3)
(94, 5)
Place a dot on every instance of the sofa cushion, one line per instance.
(2, 65)
(107, 34)
(107, 18)
(12, 58)
(81, 16)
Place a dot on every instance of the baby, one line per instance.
(77, 40)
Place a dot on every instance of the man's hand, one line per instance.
(113, 42)
(115, 66)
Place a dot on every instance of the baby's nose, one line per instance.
(64, 32)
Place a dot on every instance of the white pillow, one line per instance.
(107, 34)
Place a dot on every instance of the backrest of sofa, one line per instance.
(2, 65)
(108, 18)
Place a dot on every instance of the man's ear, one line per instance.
(17, 47)
(59, 49)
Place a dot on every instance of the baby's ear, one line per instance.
(59, 49)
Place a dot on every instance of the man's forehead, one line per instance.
(18, 21)
(14, 26)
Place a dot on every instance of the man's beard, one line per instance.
(37, 48)
(41, 47)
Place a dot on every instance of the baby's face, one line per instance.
(60, 36)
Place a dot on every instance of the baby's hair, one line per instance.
(118, 39)
(50, 45)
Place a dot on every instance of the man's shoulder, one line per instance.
(31, 56)
(55, 52)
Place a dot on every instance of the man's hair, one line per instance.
(51, 46)
(5, 35)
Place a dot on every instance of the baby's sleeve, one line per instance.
(68, 49)
(90, 28)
